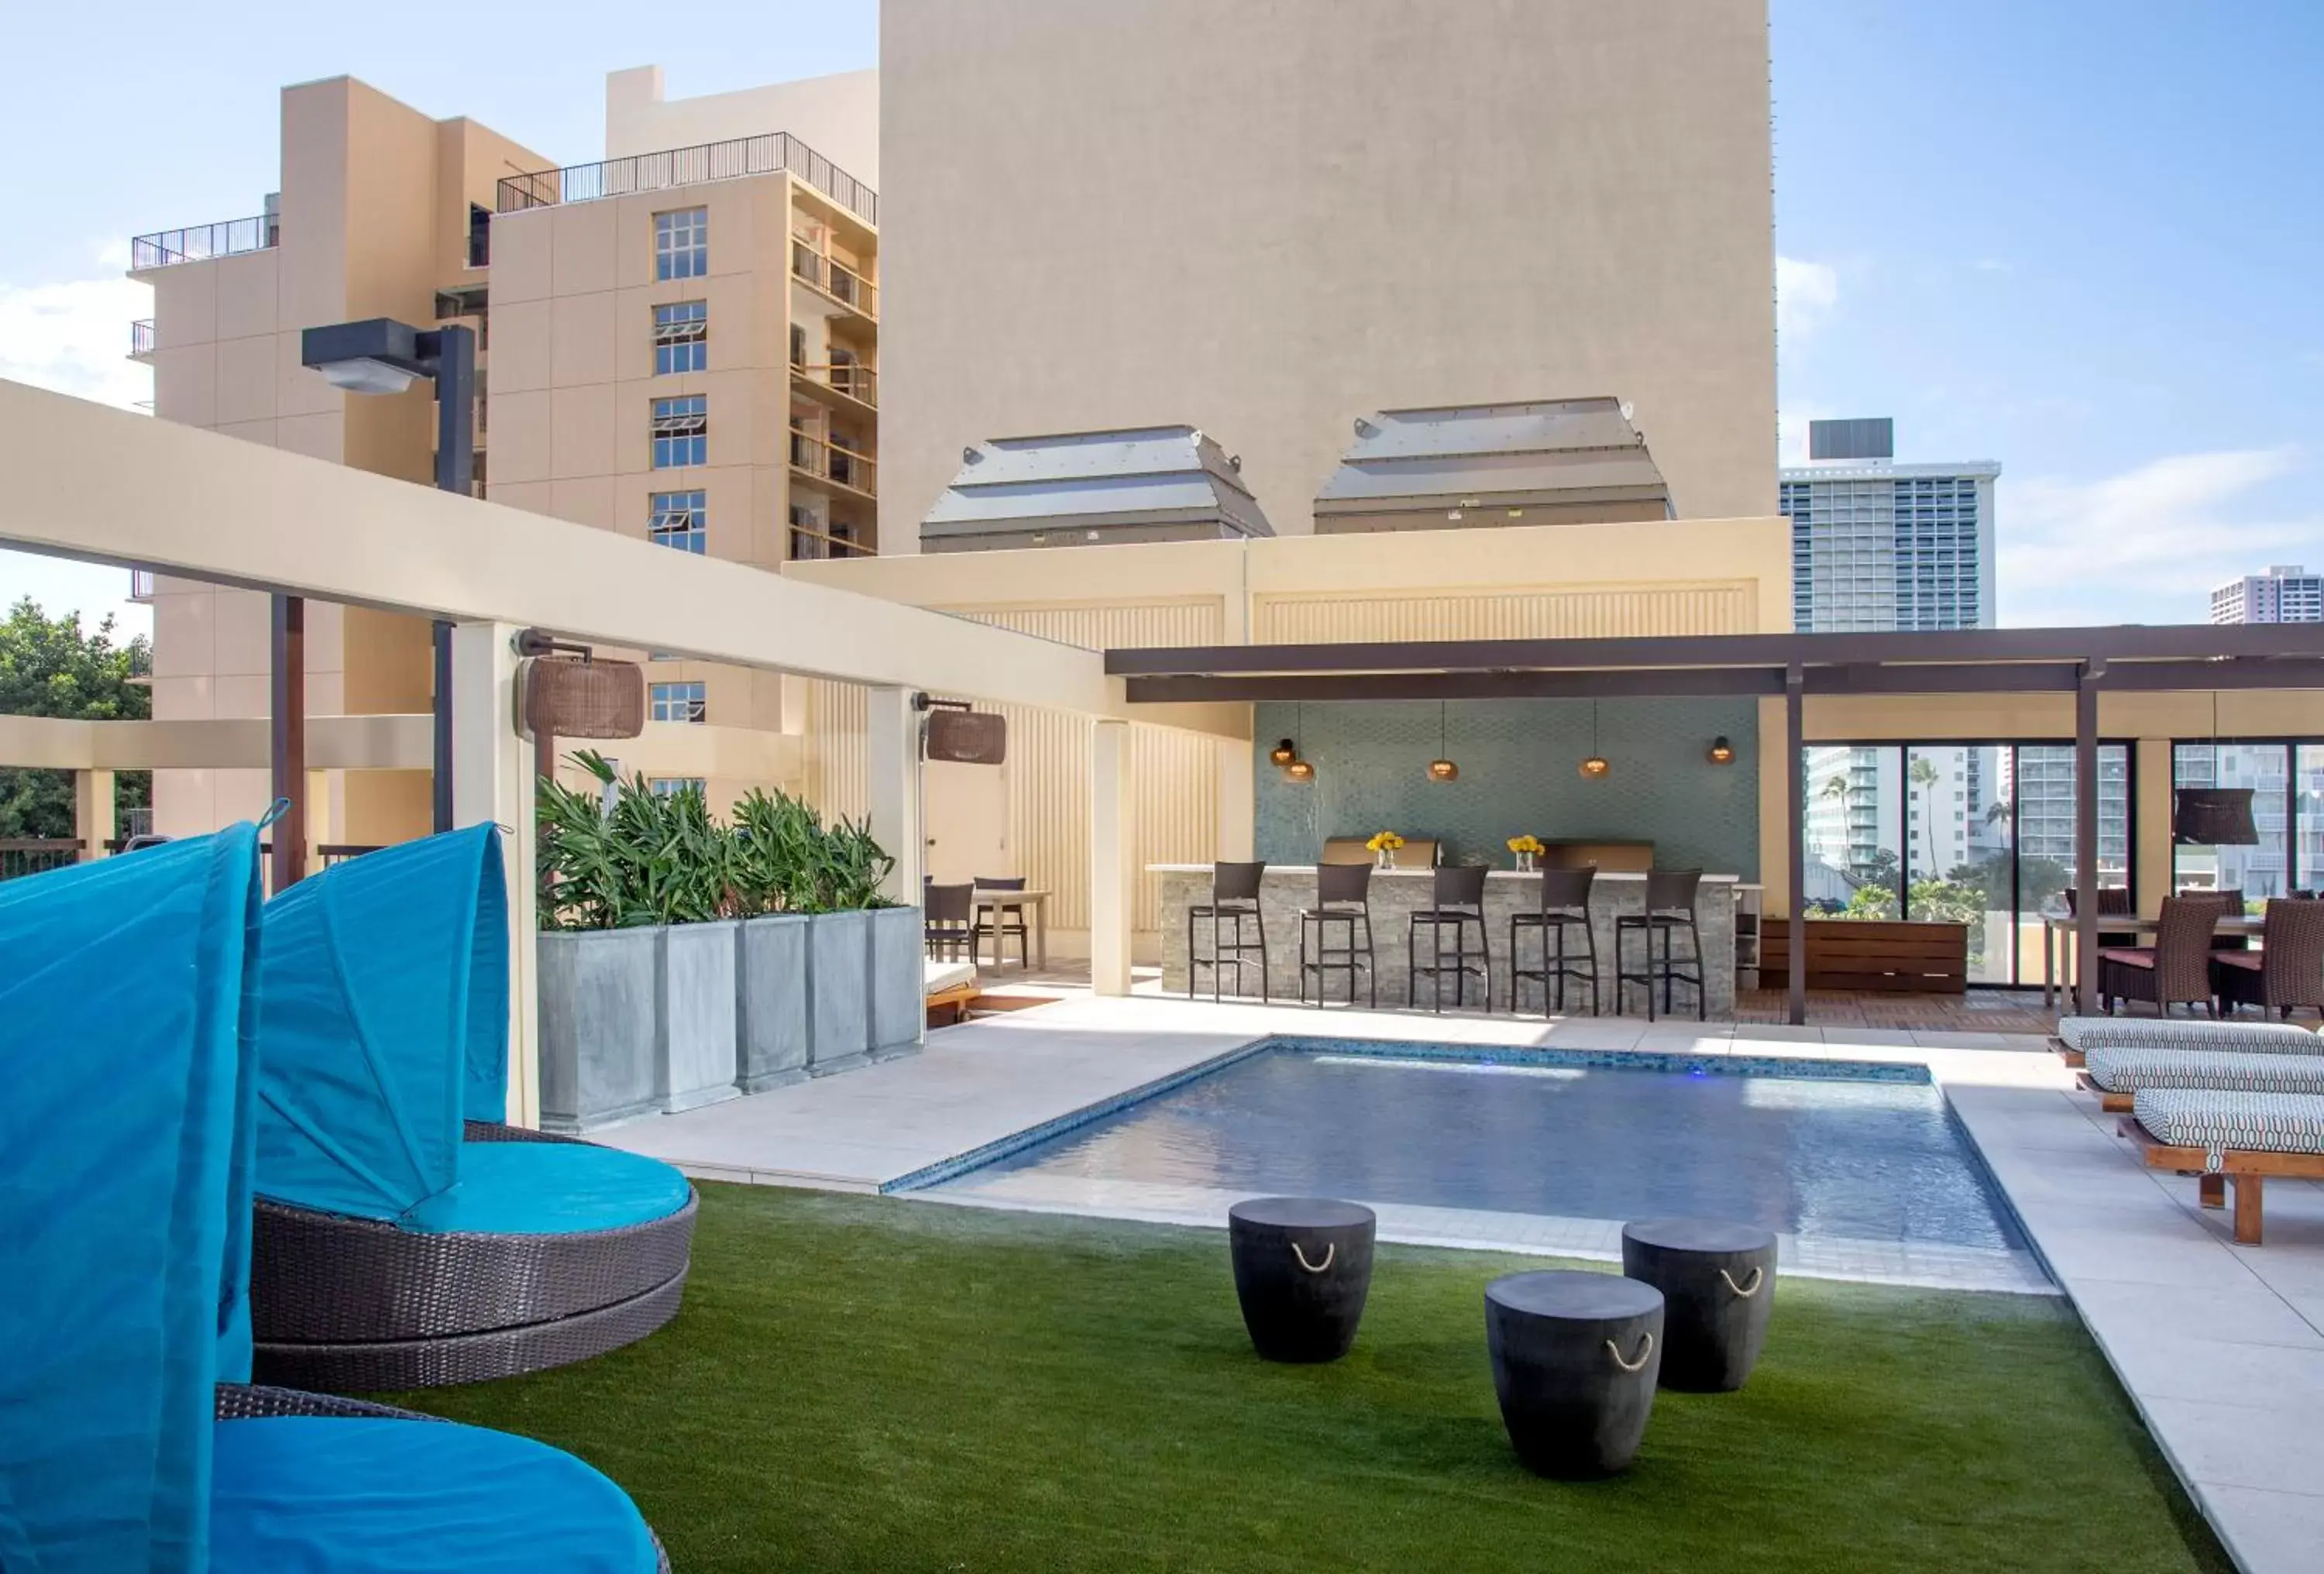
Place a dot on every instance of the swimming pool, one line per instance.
(1862, 1161)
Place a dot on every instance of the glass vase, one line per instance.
(1384, 858)
(1524, 863)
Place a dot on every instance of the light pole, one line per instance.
(378, 355)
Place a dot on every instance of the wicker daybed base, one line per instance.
(260, 1401)
(355, 1303)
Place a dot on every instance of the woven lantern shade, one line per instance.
(567, 697)
(2213, 817)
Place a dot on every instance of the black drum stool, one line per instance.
(1302, 1268)
(1717, 1281)
(1575, 1357)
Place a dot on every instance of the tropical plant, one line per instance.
(625, 855)
(50, 667)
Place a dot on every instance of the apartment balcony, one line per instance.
(842, 384)
(826, 273)
(169, 247)
(810, 545)
(843, 469)
(768, 155)
(140, 340)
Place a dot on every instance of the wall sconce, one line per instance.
(1283, 754)
(1722, 752)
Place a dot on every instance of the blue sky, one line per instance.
(2080, 238)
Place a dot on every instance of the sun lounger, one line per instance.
(2243, 1138)
(2076, 1035)
(950, 987)
(2117, 1073)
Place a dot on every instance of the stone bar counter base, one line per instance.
(1396, 894)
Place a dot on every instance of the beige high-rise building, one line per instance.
(383, 212)
(1267, 220)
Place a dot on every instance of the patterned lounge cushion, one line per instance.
(2088, 1033)
(2220, 1122)
(2121, 1069)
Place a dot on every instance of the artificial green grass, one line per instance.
(870, 1384)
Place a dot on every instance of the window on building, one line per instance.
(2286, 781)
(798, 345)
(681, 432)
(670, 787)
(679, 520)
(480, 236)
(681, 337)
(678, 702)
(682, 244)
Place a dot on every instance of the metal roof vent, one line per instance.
(1146, 484)
(1547, 462)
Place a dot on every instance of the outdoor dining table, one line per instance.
(2054, 924)
(991, 899)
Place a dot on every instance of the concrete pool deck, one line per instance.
(2219, 1346)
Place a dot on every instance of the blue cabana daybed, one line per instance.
(405, 1235)
(130, 1438)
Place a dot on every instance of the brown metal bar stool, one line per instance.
(1669, 909)
(1343, 895)
(1564, 905)
(1234, 897)
(1456, 898)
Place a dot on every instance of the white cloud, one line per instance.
(1805, 294)
(2145, 546)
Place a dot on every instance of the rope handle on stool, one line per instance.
(1330, 1250)
(1758, 1277)
(1645, 1353)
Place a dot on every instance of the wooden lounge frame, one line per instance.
(2248, 1167)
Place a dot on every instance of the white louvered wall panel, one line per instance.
(838, 728)
(1174, 781)
(1511, 614)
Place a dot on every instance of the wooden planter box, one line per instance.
(1843, 953)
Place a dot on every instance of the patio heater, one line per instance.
(380, 356)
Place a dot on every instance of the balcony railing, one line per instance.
(829, 462)
(141, 338)
(166, 248)
(755, 155)
(141, 584)
(810, 545)
(23, 855)
(858, 383)
(836, 278)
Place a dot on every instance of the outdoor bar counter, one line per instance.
(1396, 893)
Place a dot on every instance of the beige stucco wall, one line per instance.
(374, 199)
(1268, 219)
(836, 115)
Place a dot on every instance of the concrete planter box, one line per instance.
(899, 982)
(635, 1020)
(770, 1000)
(838, 992)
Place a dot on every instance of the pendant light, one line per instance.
(1595, 765)
(2213, 817)
(1442, 767)
(1296, 769)
(1722, 752)
(1284, 752)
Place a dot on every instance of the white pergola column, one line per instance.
(491, 782)
(93, 811)
(892, 762)
(1110, 846)
(1238, 800)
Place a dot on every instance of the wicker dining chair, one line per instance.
(2176, 970)
(2287, 970)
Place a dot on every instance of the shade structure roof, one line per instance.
(1103, 481)
(1541, 452)
(383, 1025)
(127, 1192)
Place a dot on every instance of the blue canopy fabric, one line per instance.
(382, 1022)
(124, 1047)
(390, 1496)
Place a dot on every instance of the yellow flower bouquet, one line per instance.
(1526, 847)
(1382, 846)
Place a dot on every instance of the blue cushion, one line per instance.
(307, 1494)
(550, 1188)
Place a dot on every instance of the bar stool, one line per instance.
(1564, 905)
(1234, 897)
(1457, 897)
(1669, 907)
(1343, 895)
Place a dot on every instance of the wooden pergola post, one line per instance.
(287, 725)
(1795, 853)
(2086, 836)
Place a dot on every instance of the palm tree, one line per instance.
(1922, 774)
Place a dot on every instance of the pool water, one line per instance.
(1823, 1156)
